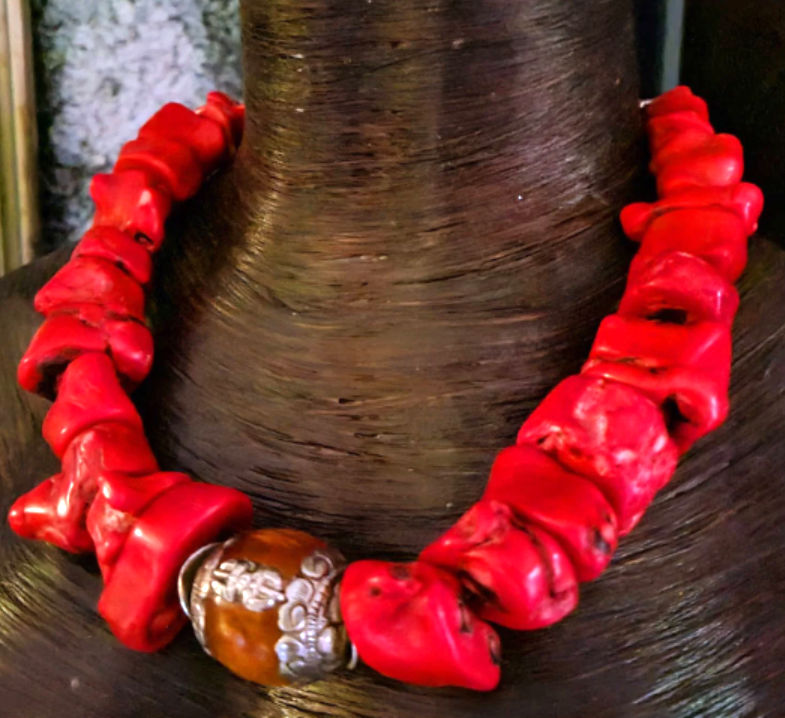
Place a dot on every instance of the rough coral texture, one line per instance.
(105, 66)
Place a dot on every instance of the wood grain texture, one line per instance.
(356, 317)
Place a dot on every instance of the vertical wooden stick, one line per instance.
(19, 221)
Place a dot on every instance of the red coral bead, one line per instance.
(56, 510)
(83, 330)
(131, 348)
(128, 202)
(58, 341)
(657, 346)
(90, 280)
(695, 403)
(678, 285)
(521, 574)
(680, 145)
(166, 163)
(120, 500)
(718, 161)
(103, 449)
(106, 447)
(222, 109)
(714, 235)
(658, 359)
(204, 136)
(567, 506)
(46, 514)
(664, 129)
(744, 200)
(119, 248)
(610, 433)
(89, 394)
(409, 622)
(139, 602)
(679, 99)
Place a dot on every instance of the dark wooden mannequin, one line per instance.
(417, 240)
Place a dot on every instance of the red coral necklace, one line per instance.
(280, 606)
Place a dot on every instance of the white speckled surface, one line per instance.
(104, 67)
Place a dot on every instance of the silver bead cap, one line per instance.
(314, 641)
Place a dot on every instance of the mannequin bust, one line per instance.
(416, 241)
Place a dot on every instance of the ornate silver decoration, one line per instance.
(187, 575)
(314, 640)
(257, 588)
(210, 557)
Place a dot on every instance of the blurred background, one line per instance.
(98, 68)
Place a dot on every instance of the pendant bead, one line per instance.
(266, 605)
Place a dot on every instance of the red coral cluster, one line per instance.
(591, 458)
(110, 496)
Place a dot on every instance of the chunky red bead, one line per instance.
(679, 99)
(694, 403)
(610, 433)
(567, 506)
(226, 112)
(203, 135)
(664, 129)
(679, 145)
(56, 510)
(46, 514)
(128, 202)
(714, 235)
(119, 248)
(409, 622)
(679, 287)
(521, 575)
(669, 128)
(58, 341)
(659, 358)
(107, 447)
(166, 163)
(139, 602)
(91, 280)
(89, 394)
(715, 161)
(744, 200)
(82, 330)
(130, 344)
(658, 346)
(120, 500)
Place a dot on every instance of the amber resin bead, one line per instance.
(266, 605)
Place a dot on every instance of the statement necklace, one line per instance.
(278, 606)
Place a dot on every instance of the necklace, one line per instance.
(280, 606)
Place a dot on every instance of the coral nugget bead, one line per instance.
(410, 622)
(266, 605)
